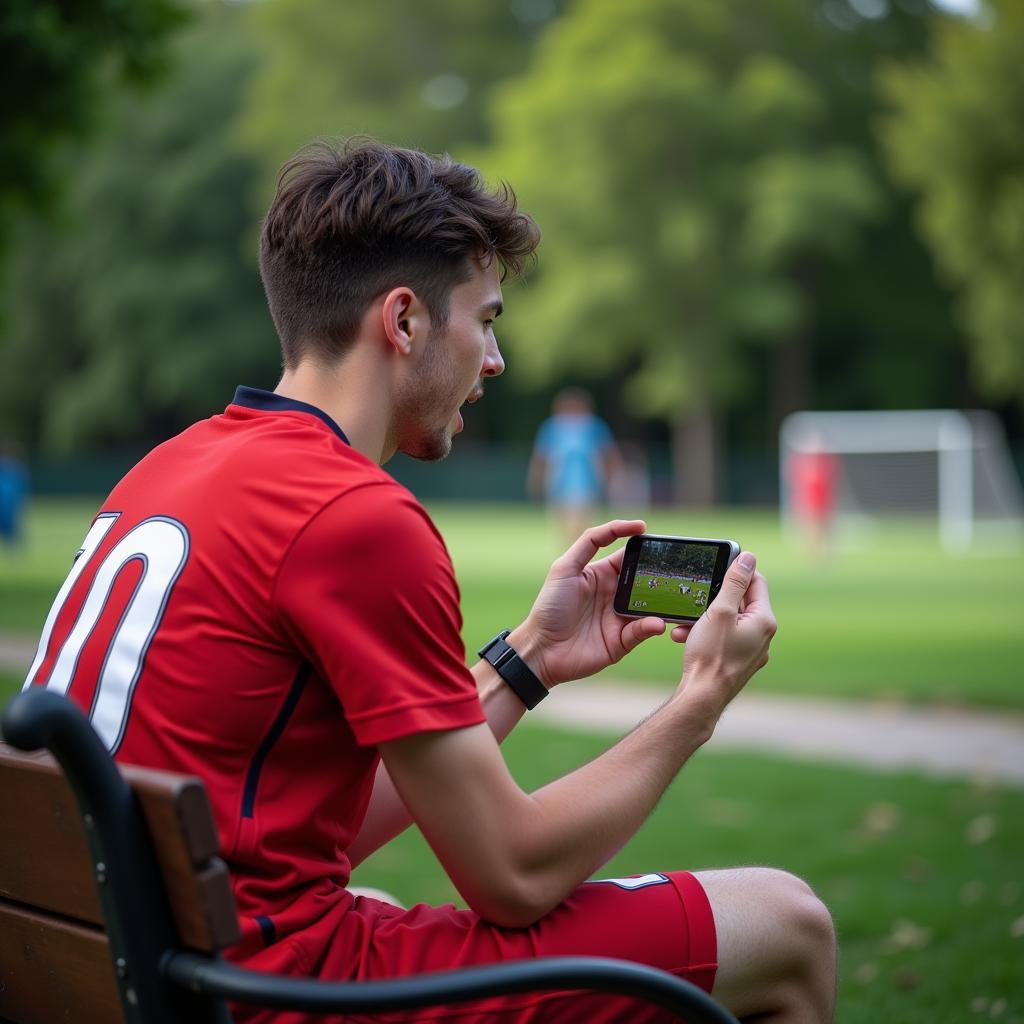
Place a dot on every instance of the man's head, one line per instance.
(348, 224)
(572, 401)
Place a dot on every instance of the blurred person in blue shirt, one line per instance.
(574, 458)
(13, 492)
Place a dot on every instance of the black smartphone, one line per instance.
(674, 578)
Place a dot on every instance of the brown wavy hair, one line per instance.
(350, 222)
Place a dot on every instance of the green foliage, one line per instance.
(407, 72)
(953, 135)
(677, 155)
(59, 61)
(146, 310)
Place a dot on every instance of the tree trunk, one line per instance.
(792, 384)
(694, 457)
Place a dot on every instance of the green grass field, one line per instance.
(895, 618)
(666, 596)
(924, 878)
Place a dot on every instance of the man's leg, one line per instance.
(776, 946)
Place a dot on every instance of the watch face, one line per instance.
(492, 643)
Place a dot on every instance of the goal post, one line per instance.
(951, 465)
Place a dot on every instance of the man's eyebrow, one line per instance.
(494, 307)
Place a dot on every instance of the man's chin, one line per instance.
(430, 449)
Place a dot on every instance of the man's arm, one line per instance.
(571, 632)
(536, 475)
(515, 856)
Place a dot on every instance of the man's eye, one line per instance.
(489, 323)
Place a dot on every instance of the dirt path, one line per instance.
(887, 737)
(16, 652)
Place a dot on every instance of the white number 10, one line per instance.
(162, 546)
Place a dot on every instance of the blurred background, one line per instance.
(750, 211)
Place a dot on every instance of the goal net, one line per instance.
(954, 467)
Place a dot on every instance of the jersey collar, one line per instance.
(267, 401)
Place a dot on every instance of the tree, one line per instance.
(680, 160)
(953, 135)
(143, 309)
(407, 72)
(59, 61)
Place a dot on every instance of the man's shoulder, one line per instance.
(270, 479)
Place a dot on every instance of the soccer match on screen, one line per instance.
(673, 578)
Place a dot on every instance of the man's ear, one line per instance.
(405, 319)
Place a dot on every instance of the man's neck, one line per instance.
(353, 397)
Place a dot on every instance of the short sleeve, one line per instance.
(602, 433)
(545, 438)
(367, 592)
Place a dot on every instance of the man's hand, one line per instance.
(572, 631)
(729, 643)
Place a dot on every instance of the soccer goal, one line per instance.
(944, 464)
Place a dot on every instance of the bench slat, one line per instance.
(53, 870)
(52, 970)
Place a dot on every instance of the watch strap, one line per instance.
(507, 663)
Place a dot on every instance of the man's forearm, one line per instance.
(515, 856)
(584, 818)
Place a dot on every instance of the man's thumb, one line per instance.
(737, 580)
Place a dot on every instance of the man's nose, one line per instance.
(494, 365)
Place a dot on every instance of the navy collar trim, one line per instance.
(267, 401)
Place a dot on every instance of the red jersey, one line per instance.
(813, 477)
(259, 604)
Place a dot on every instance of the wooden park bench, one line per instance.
(114, 903)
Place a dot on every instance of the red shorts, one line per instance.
(663, 920)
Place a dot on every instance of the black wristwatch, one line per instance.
(521, 680)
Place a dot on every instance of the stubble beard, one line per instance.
(419, 403)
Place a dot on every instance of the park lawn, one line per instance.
(924, 878)
(895, 618)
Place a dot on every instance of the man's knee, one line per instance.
(807, 919)
(776, 942)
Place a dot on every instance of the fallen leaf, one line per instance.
(905, 977)
(881, 818)
(906, 935)
(866, 973)
(917, 869)
(1009, 893)
(971, 892)
(981, 829)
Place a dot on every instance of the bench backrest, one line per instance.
(55, 960)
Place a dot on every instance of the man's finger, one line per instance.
(757, 600)
(641, 629)
(737, 581)
(680, 634)
(592, 540)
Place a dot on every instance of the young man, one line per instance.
(230, 614)
(573, 462)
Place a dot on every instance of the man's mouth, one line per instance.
(474, 396)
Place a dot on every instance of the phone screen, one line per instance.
(672, 577)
